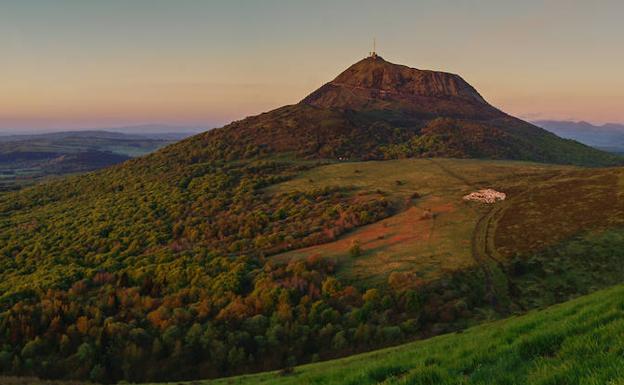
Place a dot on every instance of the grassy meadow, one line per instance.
(431, 233)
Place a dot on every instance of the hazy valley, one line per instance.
(29, 158)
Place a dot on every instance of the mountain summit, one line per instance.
(375, 80)
(379, 110)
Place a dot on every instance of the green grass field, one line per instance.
(578, 342)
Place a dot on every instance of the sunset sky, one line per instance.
(83, 64)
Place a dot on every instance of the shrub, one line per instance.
(356, 249)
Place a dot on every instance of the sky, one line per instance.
(83, 64)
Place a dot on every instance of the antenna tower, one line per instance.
(373, 53)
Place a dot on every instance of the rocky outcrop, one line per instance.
(486, 196)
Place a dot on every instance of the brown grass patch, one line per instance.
(553, 211)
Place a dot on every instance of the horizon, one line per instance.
(102, 65)
(132, 128)
(195, 129)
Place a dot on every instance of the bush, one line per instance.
(356, 249)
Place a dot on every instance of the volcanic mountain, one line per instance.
(379, 110)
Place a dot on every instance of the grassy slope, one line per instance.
(564, 223)
(578, 342)
(560, 208)
(406, 241)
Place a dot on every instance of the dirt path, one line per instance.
(483, 255)
(480, 235)
(484, 247)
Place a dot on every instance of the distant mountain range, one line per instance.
(153, 131)
(607, 137)
(27, 158)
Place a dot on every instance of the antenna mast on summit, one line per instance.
(373, 53)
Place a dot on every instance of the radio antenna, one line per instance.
(373, 52)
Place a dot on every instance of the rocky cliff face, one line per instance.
(375, 84)
(375, 78)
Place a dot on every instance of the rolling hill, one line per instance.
(303, 234)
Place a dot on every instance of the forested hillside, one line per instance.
(123, 275)
(121, 265)
(578, 342)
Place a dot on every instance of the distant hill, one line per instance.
(28, 158)
(155, 129)
(130, 132)
(607, 137)
(158, 131)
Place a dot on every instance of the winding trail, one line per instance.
(483, 248)
(483, 243)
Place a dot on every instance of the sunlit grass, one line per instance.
(430, 235)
